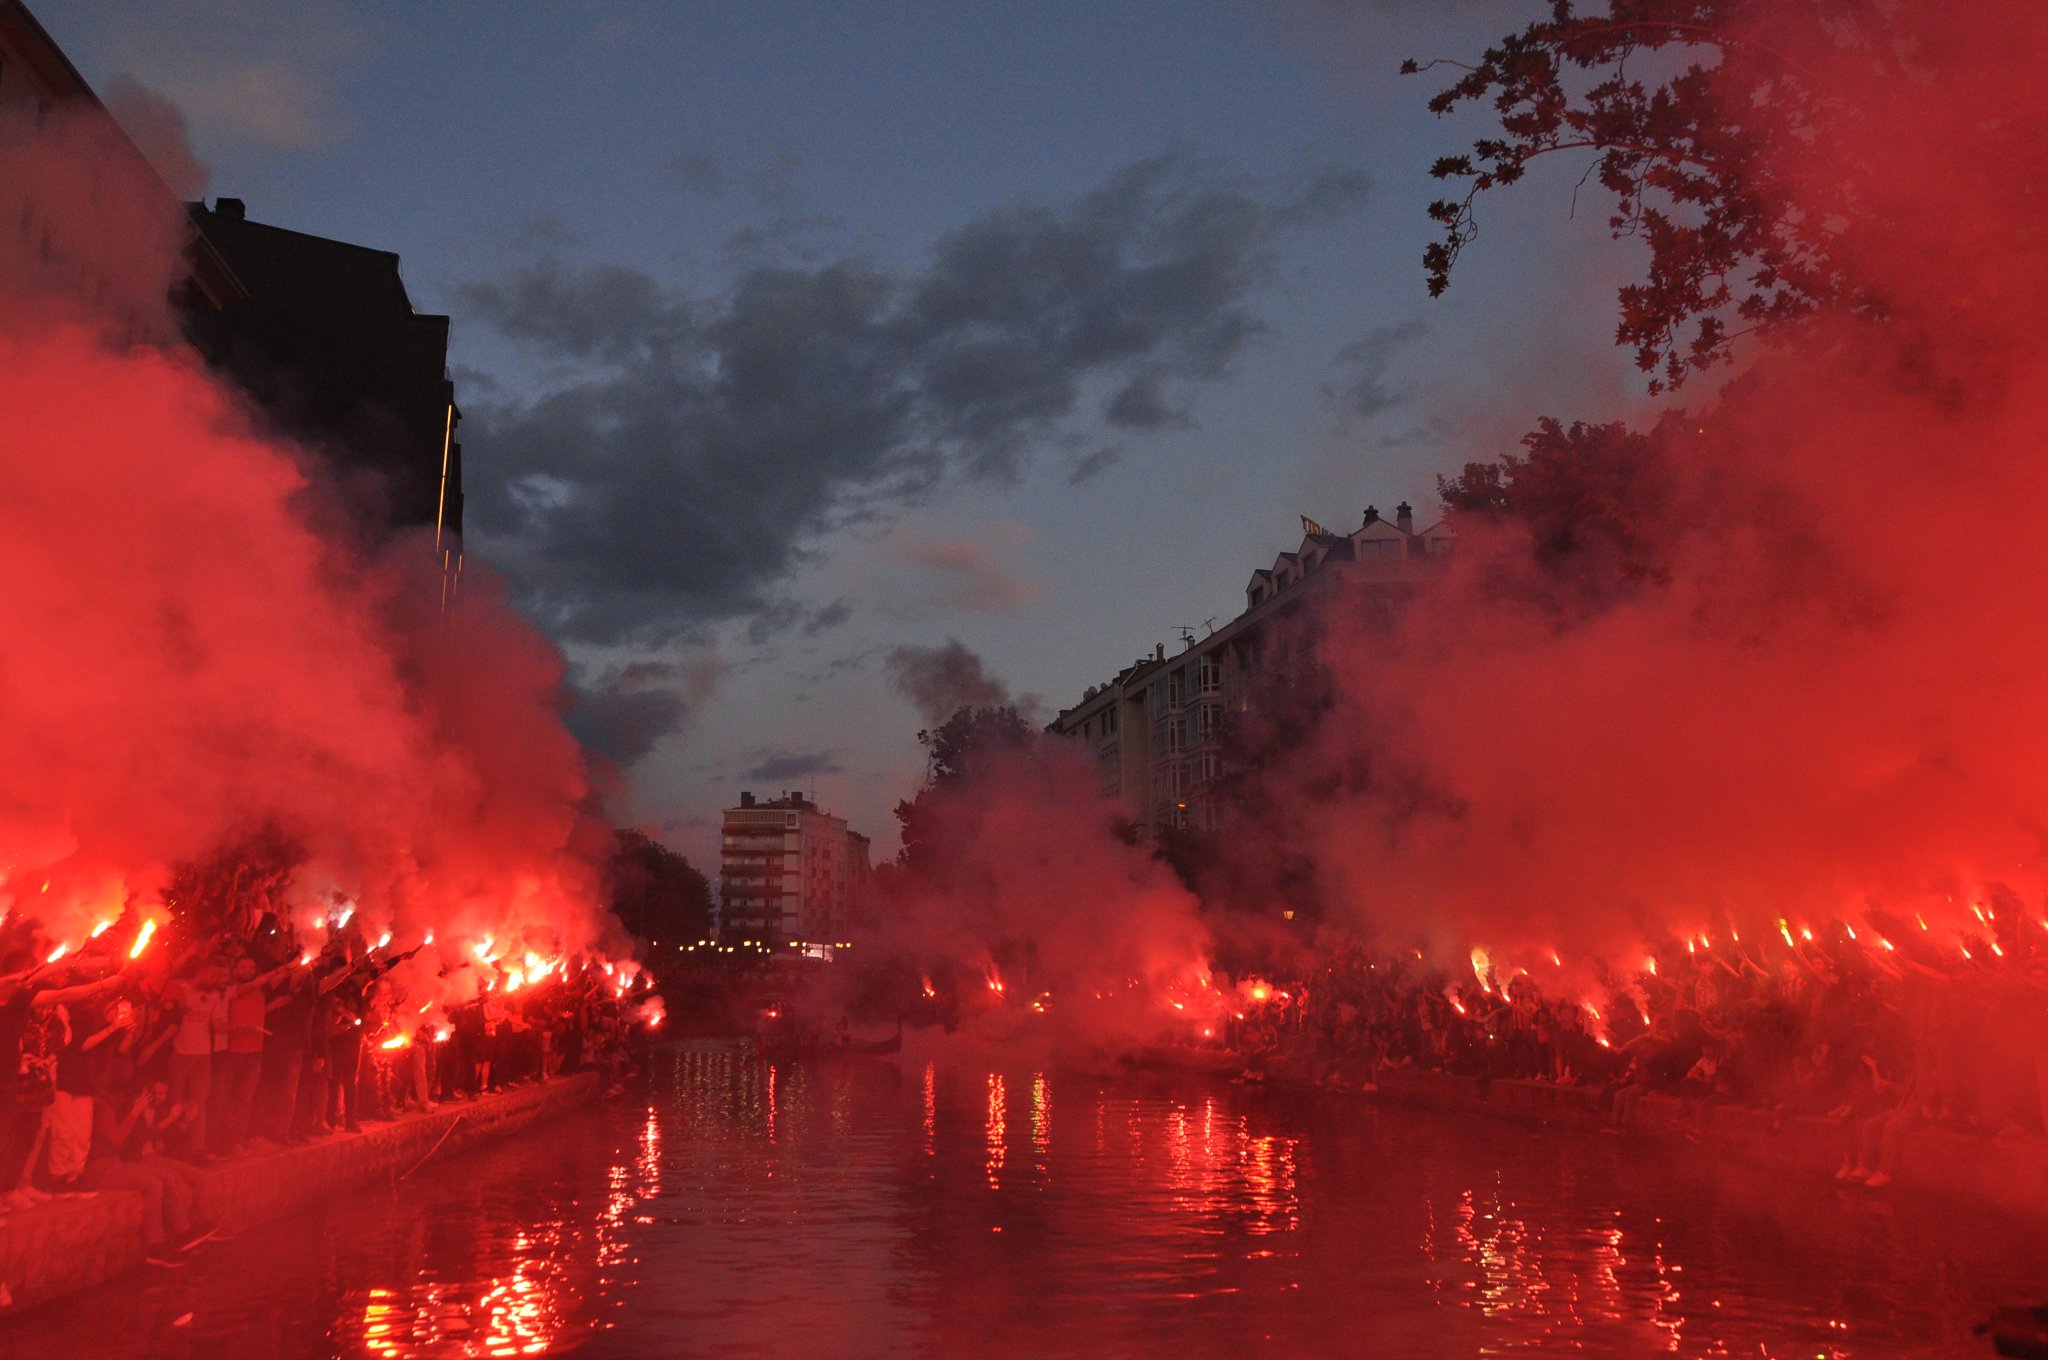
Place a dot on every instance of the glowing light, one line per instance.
(1851, 929)
(396, 1041)
(1556, 959)
(482, 949)
(441, 1035)
(1806, 934)
(102, 928)
(1650, 966)
(1260, 991)
(59, 952)
(926, 982)
(382, 940)
(1786, 931)
(429, 939)
(142, 938)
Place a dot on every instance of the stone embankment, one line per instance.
(2000, 1173)
(69, 1244)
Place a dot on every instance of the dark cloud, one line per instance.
(1093, 464)
(780, 616)
(775, 767)
(826, 619)
(699, 173)
(1141, 405)
(940, 681)
(672, 479)
(1359, 388)
(543, 232)
(624, 713)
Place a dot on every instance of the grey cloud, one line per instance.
(824, 620)
(1329, 192)
(786, 766)
(699, 173)
(940, 681)
(624, 713)
(1093, 464)
(673, 479)
(1360, 389)
(1141, 405)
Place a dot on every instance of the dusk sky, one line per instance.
(791, 335)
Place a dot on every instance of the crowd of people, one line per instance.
(135, 1073)
(1883, 1032)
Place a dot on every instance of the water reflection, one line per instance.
(858, 1208)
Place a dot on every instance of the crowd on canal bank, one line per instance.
(132, 1074)
(1881, 1036)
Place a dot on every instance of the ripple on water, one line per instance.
(743, 1208)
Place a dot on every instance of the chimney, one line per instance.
(1159, 651)
(1404, 517)
(746, 800)
(232, 209)
(1372, 516)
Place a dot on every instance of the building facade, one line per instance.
(87, 217)
(790, 873)
(1161, 731)
(320, 335)
(324, 338)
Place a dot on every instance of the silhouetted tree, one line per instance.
(656, 892)
(1592, 499)
(1713, 166)
(953, 750)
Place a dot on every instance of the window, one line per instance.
(1210, 678)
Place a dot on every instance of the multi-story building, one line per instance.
(1160, 731)
(326, 341)
(320, 334)
(789, 873)
(87, 217)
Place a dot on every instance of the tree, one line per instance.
(1592, 499)
(1717, 167)
(953, 751)
(657, 893)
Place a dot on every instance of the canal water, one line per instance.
(903, 1207)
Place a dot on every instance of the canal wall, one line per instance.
(69, 1244)
(2002, 1173)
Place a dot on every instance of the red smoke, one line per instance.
(188, 663)
(1051, 923)
(1835, 706)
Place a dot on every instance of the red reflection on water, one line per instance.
(524, 1311)
(1041, 1120)
(996, 1132)
(931, 1109)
